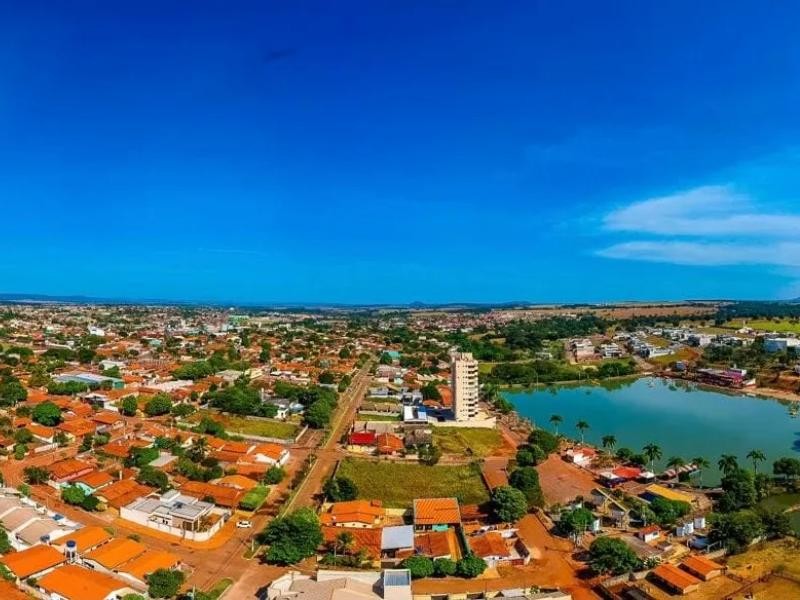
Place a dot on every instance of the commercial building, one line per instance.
(464, 383)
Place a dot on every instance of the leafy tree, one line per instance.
(544, 440)
(385, 359)
(36, 475)
(470, 566)
(788, 468)
(735, 530)
(292, 538)
(776, 523)
(5, 544)
(739, 491)
(326, 377)
(576, 521)
(139, 457)
(526, 480)
(90, 503)
(444, 567)
(509, 504)
(158, 405)
(274, 475)
(667, 512)
(340, 489)
(419, 566)
(129, 406)
(12, 392)
(727, 463)
(47, 414)
(165, 583)
(72, 494)
(431, 392)
(429, 454)
(153, 477)
(23, 436)
(612, 556)
(318, 415)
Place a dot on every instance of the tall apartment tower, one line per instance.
(464, 382)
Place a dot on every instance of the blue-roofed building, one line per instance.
(90, 379)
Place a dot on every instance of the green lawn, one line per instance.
(398, 484)
(781, 326)
(219, 588)
(371, 417)
(235, 424)
(478, 442)
(253, 499)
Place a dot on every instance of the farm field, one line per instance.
(780, 326)
(249, 426)
(477, 442)
(782, 555)
(398, 484)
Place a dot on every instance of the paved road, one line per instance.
(328, 454)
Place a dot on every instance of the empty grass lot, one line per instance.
(398, 484)
(781, 326)
(235, 424)
(478, 442)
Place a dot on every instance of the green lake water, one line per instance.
(684, 420)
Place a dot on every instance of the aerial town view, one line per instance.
(371, 300)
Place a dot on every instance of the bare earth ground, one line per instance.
(562, 481)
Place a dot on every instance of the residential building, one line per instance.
(177, 514)
(464, 383)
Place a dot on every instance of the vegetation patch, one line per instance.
(254, 498)
(398, 484)
(249, 426)
(478, 442)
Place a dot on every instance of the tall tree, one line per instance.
(582, 426)
(728, 463)
(653, 453)
(701, 463)
(756, 456)
(555, 421)
(609, 441)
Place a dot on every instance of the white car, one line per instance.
(243, 524)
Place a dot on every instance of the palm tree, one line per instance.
(701, 464)
(675, 462)
(198, 448)
(653, 453)
(556, 420)
(728, 463)
(609, 441)
(344, 541)
(582, 426)
(756, 456)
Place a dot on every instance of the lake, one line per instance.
(684, 420)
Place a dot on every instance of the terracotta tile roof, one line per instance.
(121, 448)
(41, 431)
(33, 560)
(237, 481)
(700, 565)
(69, 468)
(78, 583)
(434, 544)
(364, 538)
(95, 479)
(354, 511)
(674, 577)
(86, 538)
(116, 552)
(78, 427)
(388, 443)
(270, 450)
(489, 544)
(222, 495)
(436, 511)
(150, 561)
(123, 492)
(107, 417)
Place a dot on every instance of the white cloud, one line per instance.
(703, 212)
(784, 254)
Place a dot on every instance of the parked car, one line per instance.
(244, 524)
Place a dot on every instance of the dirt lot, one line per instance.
(562, 481)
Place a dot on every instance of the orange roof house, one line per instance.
(78, 427)
(354, 513)
(33, 561)
(221, 494)
(149, 562)
(123, 492)
(675, 579)
(430, 512)
(388, 443)
(701, 567)
(42, 432)
(95, 480)
(437, 544)
(72, 582)
(237, 481)
(366, 539)
(489, 545)
(69, 469)
(85, 538)
(115, 553)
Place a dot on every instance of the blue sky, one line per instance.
(400, 151)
